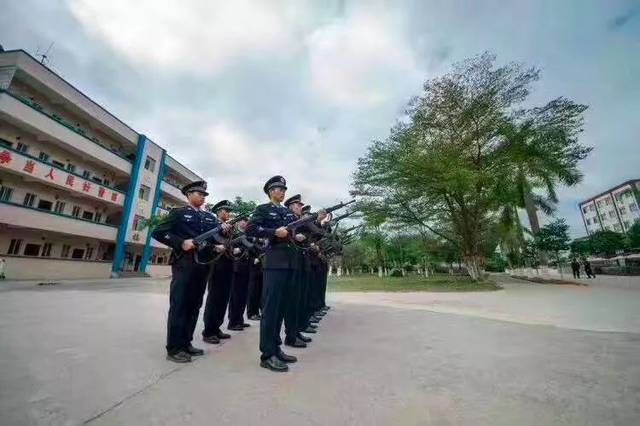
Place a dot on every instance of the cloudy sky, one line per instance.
(239, 91)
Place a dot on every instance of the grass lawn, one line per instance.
(438, 283)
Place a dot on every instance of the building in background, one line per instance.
(616, 209)
(77, 185)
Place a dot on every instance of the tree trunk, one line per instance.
(532, 211)
(472, 263)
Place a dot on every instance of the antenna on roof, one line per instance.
(44, 57)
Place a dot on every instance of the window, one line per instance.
(612, 213)
(98, 217)
(22, 148)
(607, 201)
(29, 198)
(584, 210)
(59, 207)
(623, 210)
(627, 224)
(591, 208)
(89, 253)
(65, 250)
(5, 193)
(43, 156)
(46, 250)
(77, 254)
(595, 220)
(87, 215)
(150, 164)
(14, 246)
(138, 223)
(86, 174)
(633, 207)
(107, 182)
(71, 168)
(32, 250)
(76, 211)
(96, 179)
(45, 205)
(57, 163)
(588, 221)
(144, 192)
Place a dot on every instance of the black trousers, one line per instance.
(239, 291)
(304, 312)
(188, 283)
(254, 298)
(293, 300)
(315, 287)
(219, 290)
(323, 284)
(275, 284)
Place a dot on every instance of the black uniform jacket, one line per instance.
(263, 224)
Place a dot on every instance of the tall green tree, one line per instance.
(553, 238)
(445, 155)
(451, 164)
(607, 243)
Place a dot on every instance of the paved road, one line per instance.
(92, 353)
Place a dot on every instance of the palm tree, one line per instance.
(544, 150)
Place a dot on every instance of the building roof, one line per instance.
(78, 91)
(628, 182)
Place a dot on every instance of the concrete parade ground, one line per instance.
(92, 352)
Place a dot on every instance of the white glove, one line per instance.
(219, 248)
(236, 250)
(300, 238)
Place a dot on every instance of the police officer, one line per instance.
(240, 281)
(269, 221)
(219, 288)
(294, 320)
(254, 298)
(189, 279)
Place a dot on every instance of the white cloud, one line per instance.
(241, 163)
(362, 59)
(197, 36)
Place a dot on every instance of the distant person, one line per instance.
(3, 268)
(587, 269)
(575, 267)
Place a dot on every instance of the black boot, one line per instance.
(273, 363)
(310, 330)
(304, 338)
(194, 351)
(295, 343)
(181, 357)
(289, 359)
(211, 339)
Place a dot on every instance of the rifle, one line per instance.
(335, 220)
(202, 241)
(346, 231)
(313, 216)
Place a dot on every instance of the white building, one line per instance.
(616, 209)
(76, 183)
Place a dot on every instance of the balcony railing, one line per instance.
(3, 147)
(37, 107)
(25, 165)
(68, 216)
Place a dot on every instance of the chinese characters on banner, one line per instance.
(60, 177)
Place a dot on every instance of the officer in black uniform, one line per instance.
(240, 281)
(254, 298)
(219, 288)
(189, 279)
(293, 316)
(269, 221)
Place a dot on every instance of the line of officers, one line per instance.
(277, 274)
